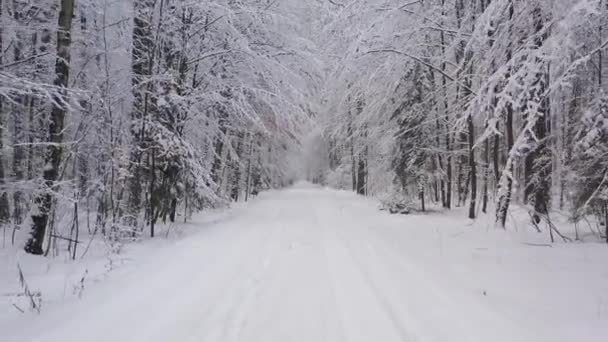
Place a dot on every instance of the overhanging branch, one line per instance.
(421, 61)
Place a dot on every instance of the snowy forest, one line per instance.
(116, 115)
(120, 113)
(471, 103)
(303, 170)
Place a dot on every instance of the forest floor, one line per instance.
(310, 264)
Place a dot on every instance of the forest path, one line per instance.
(304, 264)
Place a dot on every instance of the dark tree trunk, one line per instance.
(18, 164)
(4, 205)
(218, 148)
(173, 210)
(473, 168)
(542, 167)
(434, 186)
(528, 172)
(421, 195)
(154, 196)
(438, 141)
(30, 106)
(436, 189)
(54, 150)
(568, 139)
(353, 161)
(217, 159)
(606, 219)
(448, 197)
(603, 10)
(540, 158)
(459, 181)
(600, 64)
(504, 200)
(361, 177)
(186, 207)
(249, 166)
(236, 165)
(18, 107)
(486, 175)
(142, 69)
(495, 157)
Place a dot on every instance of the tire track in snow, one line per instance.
(331, 280)
(218, 320)
(394, 259)
(404, 334)
(253, 289)
(371, 316)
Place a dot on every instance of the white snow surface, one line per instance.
(311, 264)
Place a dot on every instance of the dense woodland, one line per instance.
(118, 114)
(480, 104)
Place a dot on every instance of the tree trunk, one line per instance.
(473, 168)
(18, 107)
(438, 141)
(249, 165)
(540, 158)
(601, 85)
(236, 174)
(606, 219)
(448, 198)
(506, 193)
(18, 165)
(361, 177)
(173, 210)
(186, 196)
(600, 64)
(421, 196)
(542, 163)
(528, 171)
(55, 149)
(218, 158)
(4, 205)
(505, 198)
(154, 196)
(486, 175)
(353, 161)
(459, 183)
(495, 157)
(142, 69)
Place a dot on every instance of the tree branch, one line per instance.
(421, 61)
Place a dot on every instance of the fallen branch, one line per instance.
(21, 61)
(552, 227)
(537, 244)
(18, 308)
(27, 292)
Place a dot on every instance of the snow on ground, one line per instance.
(55, 280)
(311, 264)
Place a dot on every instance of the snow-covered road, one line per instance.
(308, 264)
